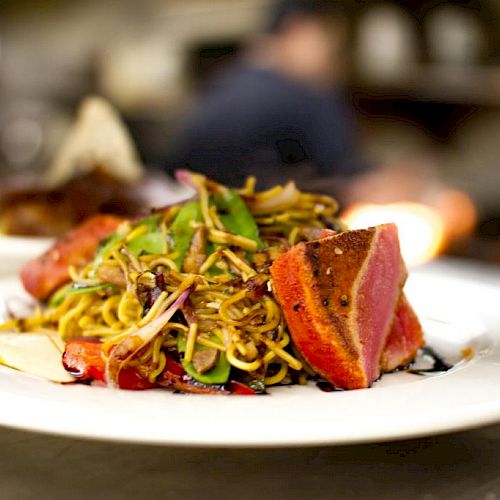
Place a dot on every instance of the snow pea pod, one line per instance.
(151, 222)
(149, 243)
(107, 246)
(219, 374)
(236, 217)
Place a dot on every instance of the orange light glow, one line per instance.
(421, 229)
(458, 213)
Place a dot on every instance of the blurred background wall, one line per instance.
(422, 75)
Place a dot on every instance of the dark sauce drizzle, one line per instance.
(425, 355)
(325, 386)
(439, 365)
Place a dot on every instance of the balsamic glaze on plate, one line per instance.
(427, 362)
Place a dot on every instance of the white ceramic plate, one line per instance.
(15, 251)
(459, 307)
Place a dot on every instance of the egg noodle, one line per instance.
(230, 308)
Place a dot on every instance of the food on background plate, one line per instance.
(95, 171)
(27, 210)
(230, 292)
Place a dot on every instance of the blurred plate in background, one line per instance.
(15, 251)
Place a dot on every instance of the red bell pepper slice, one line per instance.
(82, 358)
(240, 389)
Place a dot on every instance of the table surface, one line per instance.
(460, 466)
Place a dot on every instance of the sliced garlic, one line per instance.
(34, 353)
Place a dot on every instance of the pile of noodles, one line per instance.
(231, 307)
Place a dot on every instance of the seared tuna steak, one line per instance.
(405, 338)
(339, 296)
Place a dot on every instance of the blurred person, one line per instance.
(276, 112)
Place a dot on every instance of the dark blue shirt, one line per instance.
(253, 121)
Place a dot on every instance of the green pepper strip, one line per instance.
(77, 290)
(182, 231)
(219, 374)
(59, 295)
